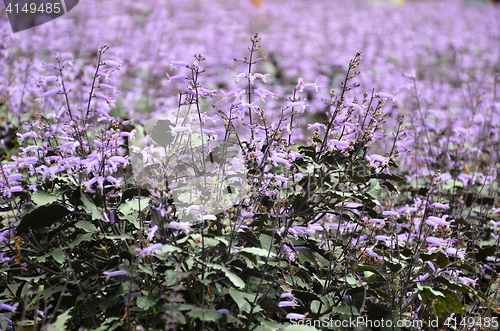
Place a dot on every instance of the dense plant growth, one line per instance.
(263, 190)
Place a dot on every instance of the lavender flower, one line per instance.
(116, 273)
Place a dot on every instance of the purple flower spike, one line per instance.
(116, 273)
(9, 307)
(48, 93)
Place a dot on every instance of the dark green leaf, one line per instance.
(79, 239)
(42, 217)
(394, 267)
(91, 208)
(375, 190)
(390, 187)
(204, 314)
(58, 255)
(356, 177)
(232, 277)
(146, 302)
(305, 296)
(60, 323)
(41, 198)
(133, 192)
(242, 299)
(471, 198)
(249, 239)
(86, 226)
(162, 133)
(397, 179)
(269, 305)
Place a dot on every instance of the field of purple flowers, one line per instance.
(230, 165)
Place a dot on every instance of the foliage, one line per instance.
(326, 229)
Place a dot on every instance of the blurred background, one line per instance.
(451, 47)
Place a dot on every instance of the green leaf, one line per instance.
(86, 226)
(204, 314)
(80, 238)
(363, 267)
(390, 187)
(237, 281)
(356, 177)
(60, 323)
(375, 190)
(211, 242)
(172, 277)
(41, 198)
(430, 289)
(91, 208)
(256, 251)
(58, 255)
(439, 257)
(242, 299)
(170, 249)
(305, 296)
(394, 267)
(49, 292)
(42, 217)
(233, 320)
(34, 279)
(344, 310)
(470, 198)
(161, 132)
(351, 280)
(397, 179)
(315, 305)
(105, 326)
(146, 302)
(133, 206)
(133, 192)
(450, 302)
(124, 236)
(222, 240)
(442, 260)
(271, 325)
(305, 255)
(146, 269)
(132, 219)
(270, 305)
(12, 287)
